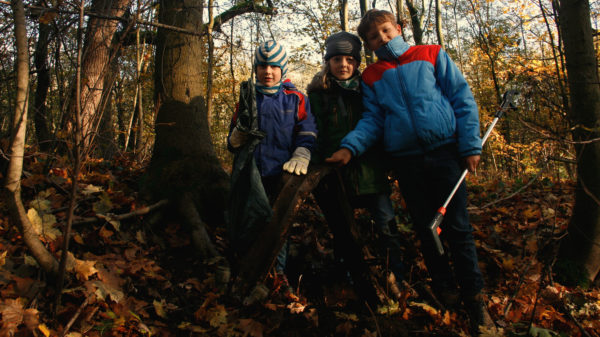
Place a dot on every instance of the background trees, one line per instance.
(147, 69)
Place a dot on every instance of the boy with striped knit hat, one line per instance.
(274, 130)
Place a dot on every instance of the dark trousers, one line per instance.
(273, 186)
(425, 182)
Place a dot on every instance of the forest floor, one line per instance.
(133, 279)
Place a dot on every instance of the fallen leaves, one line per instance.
(14, 315)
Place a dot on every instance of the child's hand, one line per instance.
(298, 164)
(341, 157)
(471, 162)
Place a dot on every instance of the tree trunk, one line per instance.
(438, 23)
(369, 54)
(108, 146)
(401, 16)
(97, 53)
(581, 247)
(211, 61)
(17, 148)
(42, 130)
(184, 167)
(416, 21)
(344, 15)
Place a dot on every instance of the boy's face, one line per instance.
(381, 33)
(342, 67)
(268, 75)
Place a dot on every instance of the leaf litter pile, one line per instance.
(132, 278)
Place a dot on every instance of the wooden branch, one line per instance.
(243, 8)
(108, 217)
(255, 264)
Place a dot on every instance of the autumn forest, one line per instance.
(116, 172)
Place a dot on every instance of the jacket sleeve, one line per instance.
(369, 128)
(457, 90)
(305, 129)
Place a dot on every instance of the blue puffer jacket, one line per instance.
(286, 120)
(418, 100)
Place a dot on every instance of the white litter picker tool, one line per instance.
(434, 226)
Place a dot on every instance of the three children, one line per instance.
(416, 101)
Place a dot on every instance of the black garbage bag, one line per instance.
(249, 209)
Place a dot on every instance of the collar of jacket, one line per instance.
(393, 49)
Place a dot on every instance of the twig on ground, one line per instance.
(374, 319)
(514, 193)
(77, 313)
(108, 217)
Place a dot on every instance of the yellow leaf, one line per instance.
(159, 307)
(532, 213)
(30, 261)
(35, 219)
(90, 189)
(77, 238)
(139, 235)
(44, 330)
(85, 269)
(104, 205)
(3, 258)
(508, 263)
(217, 316)
(426, 307)
(40, 204)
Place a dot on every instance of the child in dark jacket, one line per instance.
(419, 103)
(279, 128)
(336, 102)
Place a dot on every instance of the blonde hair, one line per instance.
(321, 80)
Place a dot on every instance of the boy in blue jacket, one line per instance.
(418, 101)
(277, 128)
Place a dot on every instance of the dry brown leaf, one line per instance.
(12, 315)
(344, 328)
(105, 233)
(3, 258)
(31, 319)
(251, 327)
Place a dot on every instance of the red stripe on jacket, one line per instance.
(301, 103)
(428, 53)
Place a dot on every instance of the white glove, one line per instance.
(298, 164)
(237, 138)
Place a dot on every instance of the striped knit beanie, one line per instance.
(271, 53)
